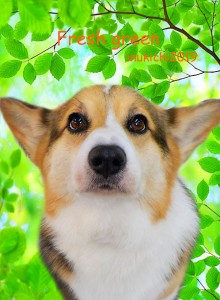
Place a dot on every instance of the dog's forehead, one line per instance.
(98, 100)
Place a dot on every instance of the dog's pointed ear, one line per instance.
(27, 122)
(191, 125)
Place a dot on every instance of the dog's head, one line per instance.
(109, 141)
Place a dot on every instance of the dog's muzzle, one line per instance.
(107, 160)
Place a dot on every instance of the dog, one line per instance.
(119, 224)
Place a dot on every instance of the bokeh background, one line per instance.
(22, 274)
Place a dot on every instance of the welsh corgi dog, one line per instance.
(119, 224)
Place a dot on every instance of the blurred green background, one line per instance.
(22, 274)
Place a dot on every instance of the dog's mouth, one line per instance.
(106, 186)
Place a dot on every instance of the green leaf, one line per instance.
(100, 49)
(133, 77)
(194, 30)
(8, 183)
(212, 261)
(188, 280)
(16, 250)
(12, 197)
(8, 240)
(42, 63)
(109, 69)
(199, 267)
(198, 251)
(212, 278)
(191, 268)
(110, 26)
(157, 71)
(4, 193)
(29, 73)
(130, 51)
(20, 31)
(182, 8)
(173, 15)
(59, 24)
(9, 207)
(38, 37)
(74, 13)
(126, 32)
(200, 239)
(66, 53)
(127, 81)
(7, 31)
(213, 147)
(174, 66)
(16, 48)
(15, 158)
(149, 91)
(189, 45)
(189, 3)
(208, 295)
(35, 16)
(3, 165)
(57, 67)
(158, 99)
(208, 6)
(176, 39)
(37, 275)
(162, 88)
(156, 34)
(210, 164)
(10, 68)
(215, 179)
(97, 63)
(141, 75)
(149, 50)
(170, 48)
(217, 245)
(6, 10)
(188, 292)
(216, 132)
(203, 190)
(206, 221)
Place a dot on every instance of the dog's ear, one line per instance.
(28, 123)
(191, 125)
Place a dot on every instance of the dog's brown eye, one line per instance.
(77, 123)
(137, 124)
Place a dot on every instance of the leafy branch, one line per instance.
(205, 289)
(164, 17)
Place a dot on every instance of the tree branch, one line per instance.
(128, 13)
(52, 46)
(206, 289)
(212, 27)
(165, 19)
(181, 30)
(132, 6)
(210, 207)
(207, 251)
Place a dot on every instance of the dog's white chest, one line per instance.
(117, 252)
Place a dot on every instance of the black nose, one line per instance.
(107, 160)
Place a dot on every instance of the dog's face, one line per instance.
(107, 141)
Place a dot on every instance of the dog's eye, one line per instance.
(77, 123)
(137, 124)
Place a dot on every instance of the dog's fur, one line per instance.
(131, 241)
